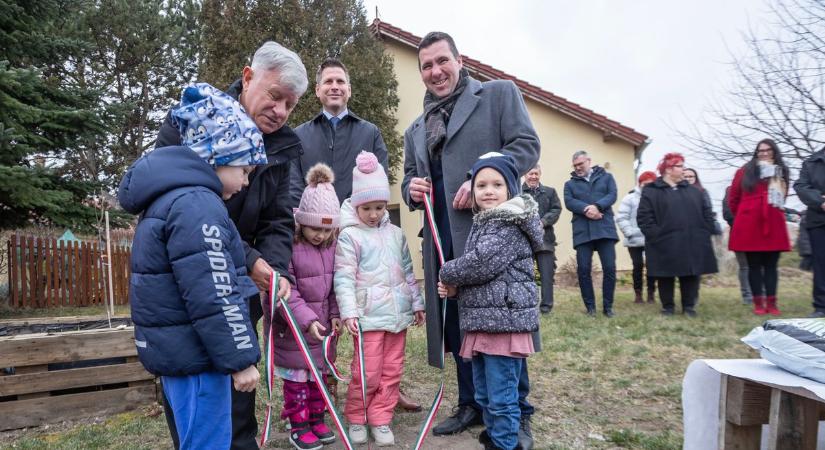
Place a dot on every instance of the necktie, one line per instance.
(334, 121)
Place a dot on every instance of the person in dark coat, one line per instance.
(677, 223)
(463, 118)
(269, 89)
(757, 200)
(811, 190)
(549, 212)
(336, 135)
(589, 195)
(741, 259)
(188, 286)
(692, 177)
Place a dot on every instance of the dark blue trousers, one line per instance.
(584, 260)
(464, 368)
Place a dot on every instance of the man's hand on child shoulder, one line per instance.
(246, 380)
(446, 290)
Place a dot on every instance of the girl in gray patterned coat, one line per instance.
(497, 294)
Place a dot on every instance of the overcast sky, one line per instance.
(651, 65)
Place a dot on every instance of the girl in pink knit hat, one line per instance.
(377, 292)
(313, 304)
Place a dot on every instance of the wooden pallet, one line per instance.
(792, 415)
(34, 395)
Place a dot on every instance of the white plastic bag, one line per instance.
(796, 345)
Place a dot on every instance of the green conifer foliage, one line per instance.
(315, 29)
(40, 117)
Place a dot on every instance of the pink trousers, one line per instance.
(384, 363)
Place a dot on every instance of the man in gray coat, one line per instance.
(336, 135)
(463, 119)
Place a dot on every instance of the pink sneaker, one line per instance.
(320, 429)
(302, 437)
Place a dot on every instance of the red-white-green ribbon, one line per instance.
(439, 395)
(359, 344)
(359, 349)
(319, 380)
(326, 343)
(270, 357)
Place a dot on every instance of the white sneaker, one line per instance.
(358, 434)
(383, 435)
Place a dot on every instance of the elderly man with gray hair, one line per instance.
(549, 211)
(269, 89)
(589, 195)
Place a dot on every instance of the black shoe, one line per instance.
(690, 312)
(463, 417)
(667, 312)
(484, 438)
(609, 313)
(545, 309)
(591, 312)
(818, 314)
(525, 434)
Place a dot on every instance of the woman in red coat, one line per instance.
(757, 200)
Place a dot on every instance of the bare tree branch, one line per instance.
(779, 91)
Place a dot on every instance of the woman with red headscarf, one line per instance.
(677, 224)
(634, 240)
(757, 201)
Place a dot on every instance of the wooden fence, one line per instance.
(47, 273)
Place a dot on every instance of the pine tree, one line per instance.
(143, 52)
(40, 117)
(315, 29)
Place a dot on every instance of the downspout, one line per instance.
(637, 161)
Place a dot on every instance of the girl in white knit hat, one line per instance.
(378, 293)
(313, 304)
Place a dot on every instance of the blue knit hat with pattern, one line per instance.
(217, 128)
(503, 164)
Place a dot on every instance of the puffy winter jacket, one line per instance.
(600, 190)
(495, 279)
(312, 298)
(626, 219)
(374, 278)
(188, 285)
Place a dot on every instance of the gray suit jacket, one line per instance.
(337, 150)
(489, 116)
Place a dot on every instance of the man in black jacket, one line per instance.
(336, 135)
(549, 211)
(269, 89)
(811, 190)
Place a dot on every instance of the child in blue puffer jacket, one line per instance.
(188, 287)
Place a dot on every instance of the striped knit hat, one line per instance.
(369, 181)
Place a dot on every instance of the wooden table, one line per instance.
(792, 415)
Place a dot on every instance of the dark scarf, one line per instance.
(437, 112)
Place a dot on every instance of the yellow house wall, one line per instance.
(560, 136)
